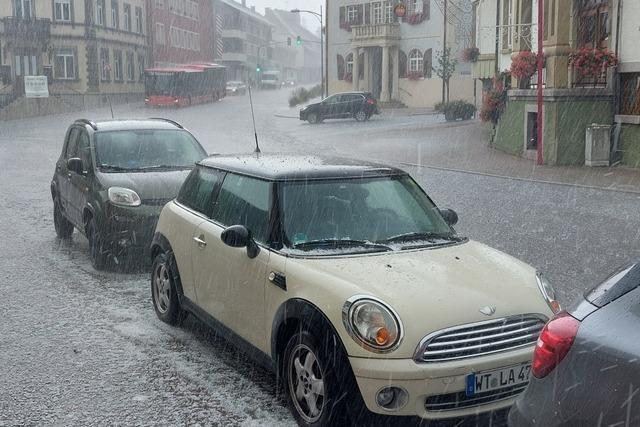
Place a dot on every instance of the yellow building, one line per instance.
(86, 48)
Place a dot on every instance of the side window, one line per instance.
(197, 191)
(84, 149)
(72, 143)
(244, 201)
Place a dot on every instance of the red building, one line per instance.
(180, 31)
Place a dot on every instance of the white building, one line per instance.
(371, 49)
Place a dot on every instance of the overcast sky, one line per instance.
(309, 20)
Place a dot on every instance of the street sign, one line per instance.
(36, 87)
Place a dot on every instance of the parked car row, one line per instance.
(347, 280)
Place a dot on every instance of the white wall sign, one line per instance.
(36, 87)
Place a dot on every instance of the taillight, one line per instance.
(554, 343)
(371, 101)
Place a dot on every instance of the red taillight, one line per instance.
(371, 101)
(554, 343)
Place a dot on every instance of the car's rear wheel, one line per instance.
(313, 118)
(164, 291)
(64, 228)
(314, 381)
(96, 245)
(360, 115)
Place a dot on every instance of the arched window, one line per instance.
(349, 61)
(415, 61)
(340, 63)
(402, 64)
(428, 63)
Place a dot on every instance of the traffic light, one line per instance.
(258, 68)
(288, 41)
(298, 41)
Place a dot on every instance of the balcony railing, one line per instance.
(34, 29)
(376, 31)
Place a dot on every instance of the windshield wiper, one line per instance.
(164, 167)
(114, 168)
(421, 236)
(340, 243)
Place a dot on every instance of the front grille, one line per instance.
(459, 400)
(478, 339)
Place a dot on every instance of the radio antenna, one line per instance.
(253, 118)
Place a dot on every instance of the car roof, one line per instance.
(291, 167)
(130, 124)
(353, 93)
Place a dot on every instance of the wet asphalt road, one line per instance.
(81, 347)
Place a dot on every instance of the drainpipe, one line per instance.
(497, 47)
(617, 101)
(540, 122)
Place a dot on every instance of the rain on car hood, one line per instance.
(447, 285)
(150, 185)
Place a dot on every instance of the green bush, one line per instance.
(302, 95)
(455, 110)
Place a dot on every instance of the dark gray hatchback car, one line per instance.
(113, 178)
(586, 365)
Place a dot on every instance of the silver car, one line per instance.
(586, 365)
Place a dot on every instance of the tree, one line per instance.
(445, 69)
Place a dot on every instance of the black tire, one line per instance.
(313, 118)
(164, 293)
(64, 228)
(360, 115)
(301, 378)
(96, 245)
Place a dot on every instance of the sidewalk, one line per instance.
(463, 147)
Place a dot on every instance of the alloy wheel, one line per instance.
(306, 383)
(162, 288)
(361, 116)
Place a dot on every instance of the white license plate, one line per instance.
(496, 379)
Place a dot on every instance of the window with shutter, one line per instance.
(428, 63)
(367, 14)
(402, 64)
(343, 15)
(340, 63)
(426, 9)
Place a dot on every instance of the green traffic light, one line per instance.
(298, 41)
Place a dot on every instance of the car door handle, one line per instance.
(200, 241)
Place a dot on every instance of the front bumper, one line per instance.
(427, 380)
(129, 230)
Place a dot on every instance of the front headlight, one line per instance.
(372, 324)
(123, 197)
(548, 293)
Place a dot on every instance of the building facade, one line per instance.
(300, 62)
(245, 46)
(182, 31)
(571, 100)
(84, 47)
(372, 49)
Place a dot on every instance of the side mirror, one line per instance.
(237, 236)
(450, 216)
(75, 164)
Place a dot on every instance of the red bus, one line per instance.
(185, 84)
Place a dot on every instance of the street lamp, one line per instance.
(319, 16)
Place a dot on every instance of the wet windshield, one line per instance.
(333, 214)
(146, 149)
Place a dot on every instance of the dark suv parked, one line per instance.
(113, 178)
(359, 105)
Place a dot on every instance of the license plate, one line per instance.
(496, 379)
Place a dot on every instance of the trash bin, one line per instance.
(597, 145)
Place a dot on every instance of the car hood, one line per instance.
(435, 288)
(151, 185)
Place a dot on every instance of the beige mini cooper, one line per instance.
(347, 280)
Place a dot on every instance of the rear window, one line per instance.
(619, 284)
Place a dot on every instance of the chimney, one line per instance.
(244, 3)
(253, 8)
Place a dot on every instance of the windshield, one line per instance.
(164, 84)
(146, 149)
(380, 210)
